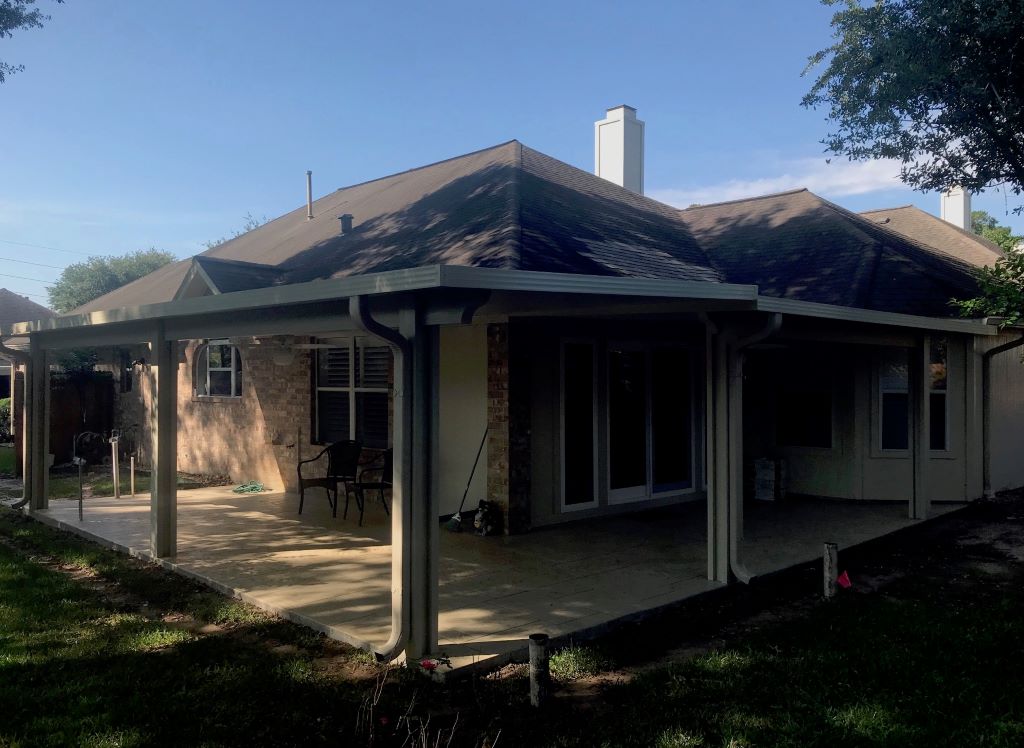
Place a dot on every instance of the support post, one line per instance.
(717, 460)
(830, 570)
(163, 502)
(423, 515)
(540, 673)
(131, 464)
(37, 451)
(920, 377)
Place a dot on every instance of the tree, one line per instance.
(935, 84)
(250, 222)
(985, 225)
(14, 16)
(85, 281)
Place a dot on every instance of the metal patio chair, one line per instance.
(342, 467)
(375, 476)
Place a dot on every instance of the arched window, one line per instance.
(218, 370)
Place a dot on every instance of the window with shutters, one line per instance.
(218, 370)
(353, 393)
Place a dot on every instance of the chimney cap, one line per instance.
(622, 106)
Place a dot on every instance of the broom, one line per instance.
(455, 523)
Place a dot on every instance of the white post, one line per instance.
(131, 463)
(423, 513)
(163, 514)
(115, 467)
(37, 471)
(919, 375)
(717, 458)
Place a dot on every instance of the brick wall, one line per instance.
(507, 430)
(257, 436)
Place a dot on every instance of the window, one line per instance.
(894, 400)
(353, 391)
(938, 439)
(218, 370)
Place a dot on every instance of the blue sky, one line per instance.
(145, 124)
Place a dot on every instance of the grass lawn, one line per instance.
(98, 482)
(100, 649)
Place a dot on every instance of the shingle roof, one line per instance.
(512, 207)
(942, 236)
(16, 308)
(796, 245)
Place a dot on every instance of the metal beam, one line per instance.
(163, 502)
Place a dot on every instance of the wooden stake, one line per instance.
(540, 675)
(830, 569)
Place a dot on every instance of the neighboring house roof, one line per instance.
(942, 236)
(511, 207)
(796, 245)
(16, 308)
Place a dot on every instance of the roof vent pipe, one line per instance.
(346, 223)
(309, 195)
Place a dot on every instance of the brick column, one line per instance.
(508, 430)
(498, 416)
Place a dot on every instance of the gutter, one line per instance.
(17, 357)
(401, 564)
(986, 411)
(735, 416)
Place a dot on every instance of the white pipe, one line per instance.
(309, 195)
(735, 418)
(401, 535)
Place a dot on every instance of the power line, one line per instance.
(22, 277)
(43, 246)
(26, 262)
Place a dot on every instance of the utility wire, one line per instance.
(43, 246)
(22, 277)
(26, 262)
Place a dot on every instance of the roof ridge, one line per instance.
(427, 166)
(745, 199)
(929, 252)
(883, 210)
(210, 258)
(982, 241)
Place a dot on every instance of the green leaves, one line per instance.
(85, 281)
(936, 84)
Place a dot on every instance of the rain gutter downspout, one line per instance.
(16, 357)
(403, 347)
(986, 410)
(736, 564)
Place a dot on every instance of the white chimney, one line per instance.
(956, 207)
(619, 148)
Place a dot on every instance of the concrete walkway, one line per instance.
(335, 577)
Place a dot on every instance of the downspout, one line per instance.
(17, 357)
(986, 410)
(735, 416)
(399, 631)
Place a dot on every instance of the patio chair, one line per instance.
(375, 476)
(342, 466)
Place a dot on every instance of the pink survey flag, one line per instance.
(844, 581)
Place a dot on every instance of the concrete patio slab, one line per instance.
(571, 579)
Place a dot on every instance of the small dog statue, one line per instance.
(488, 519)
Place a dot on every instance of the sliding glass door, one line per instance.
(650, 421)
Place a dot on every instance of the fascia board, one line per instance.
(850, 314)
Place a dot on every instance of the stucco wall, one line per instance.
(462, 415)
(1007, 393)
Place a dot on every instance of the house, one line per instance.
(619, 354)
(15, 308)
